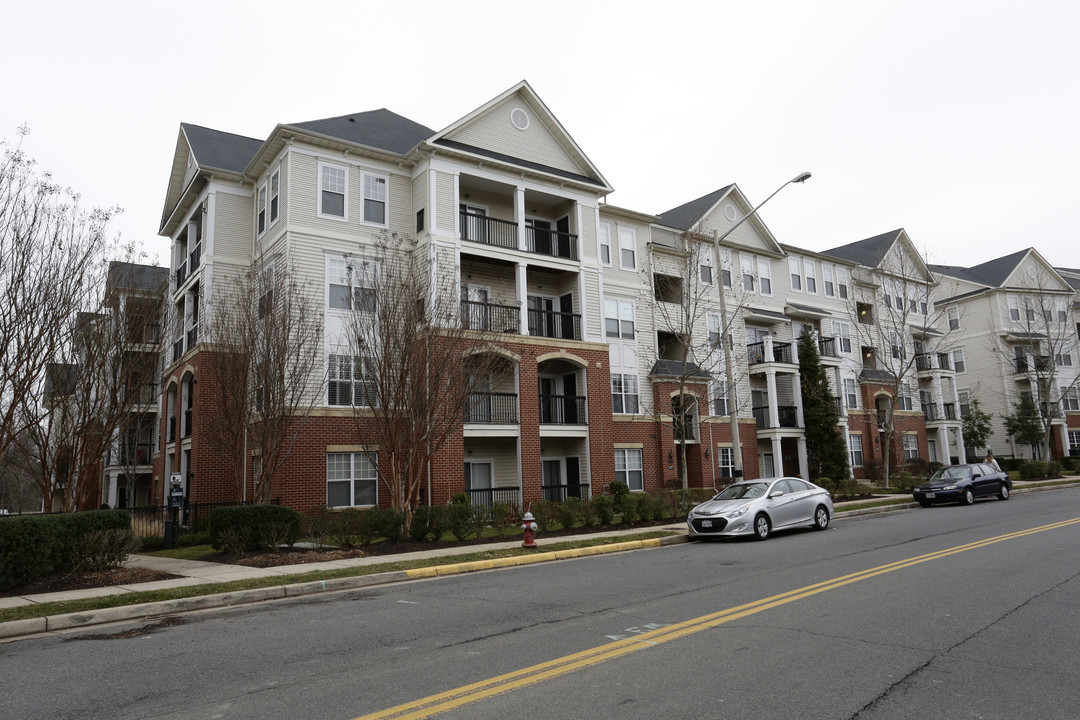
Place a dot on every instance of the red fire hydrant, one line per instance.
(530, 530)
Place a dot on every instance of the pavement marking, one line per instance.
(475, 692)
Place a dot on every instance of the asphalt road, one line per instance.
(949, 612)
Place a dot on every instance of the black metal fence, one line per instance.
(149, 520)
(558, 493)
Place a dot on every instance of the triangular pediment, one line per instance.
(730, 211)
(183, 169)
(1034, 273)
(904, 260)
(516, 128)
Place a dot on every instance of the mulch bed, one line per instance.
(83, 580)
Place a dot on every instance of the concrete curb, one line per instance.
(32, 626)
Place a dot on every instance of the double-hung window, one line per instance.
(333, 189)
(261, 210)
(725, 461)
(619, 319)
(827, 276)
(627, 248)
(842, 333)
(811, 278)
(851, 397)
(624, 393)
(712, 320)
(911, 446)
(796, 274)
(275, 194)
(628, 468)
(959, 365)
(1063, 356)
(903, 398)
(351, 283)
(965, 402)
(605, 243)
(1070, 398)
(765, 275)
(374, 199)
(855, 449)
(721, 405)
(705, 265)
(953, 313)
(746, 264)
(349, 382)
(351, 479)
(842, 283)
(725, 267)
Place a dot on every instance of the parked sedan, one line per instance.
(963, 483)
(758, 507)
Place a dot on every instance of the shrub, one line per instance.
(618, 488)
(1032, 470)
(101, 550)
(192, 539)
(588, 513)
(648, 508)
(419, 528)
(502, 517)
(459, 516)
(263, 526)
(1053, 468)
(317, 526)
(343, 528)
(1068, 463)
(1007, 464)
(480, 517)
(667, 504)
(389, 523)
(544, 513)
(604, 509)
(149, 543)
(37, 545)
(567, 512)
(918, 466)
(628, 507)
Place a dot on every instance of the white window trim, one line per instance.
(319, 192)
(374, 459)
(795, 275)
(764, 268)
(963, 359)
(626, 453)
(631, 239)
(852, 449)
(262, 206)
(809, 273)
(364, 174)
(601, 243)
(271, 196)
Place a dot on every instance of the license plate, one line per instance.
(929, 495)
(706, 523)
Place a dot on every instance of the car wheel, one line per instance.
(762, 527)
(821, 518)
(969, 497)
(925, 503)
(1003, 492)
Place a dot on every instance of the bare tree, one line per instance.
(405, 361)
(51, 253)
(683, 286)
(266, 335)
(1038, 346)
(900, 332)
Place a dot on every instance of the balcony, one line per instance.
(131, 454)
(488, 230)
(838, 404)
(757, 353)
(925, 362)
(192, 336)
(486, 497)
(555, 324)
(827, 348)
(181, 274)
(144, 394)
(138, 333)
(494, 408)
(937, 413)
(558, 493)
(195, 258)
(490, 317)
(787, 417)
(1037, 363)
(504, 234)
(562, 410)
(178, 348)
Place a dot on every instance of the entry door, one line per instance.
(566, 307)
(478, 474)
(931, 450)
(549, 402)
(573, 477)
(478, 297)
(562, 239)
(552, 476)
(569, 399)
(541, 235)
(759, 406)
(768, 468)
(474, 228)
(541, 316)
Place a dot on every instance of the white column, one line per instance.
(847, 449)
(519, 216)
(943, 442)
(774, 413)
(778, 457)
(796, 384)
(520, 285)
(804, 461)
(1064, 429)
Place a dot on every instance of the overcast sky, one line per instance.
(957, 120)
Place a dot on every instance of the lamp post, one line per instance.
(733, 395)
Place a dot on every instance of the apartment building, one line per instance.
(573, 294)
(1014, 319)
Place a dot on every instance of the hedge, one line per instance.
(36, 545)
(253, 527)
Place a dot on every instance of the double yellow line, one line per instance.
(443, 702)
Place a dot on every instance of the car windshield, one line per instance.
(951, 473)
(743, 490)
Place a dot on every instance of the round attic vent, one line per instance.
(729, 212)
(519, 119)
(1031, 271)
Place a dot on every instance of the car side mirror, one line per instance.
(976, 476)
(775, 493)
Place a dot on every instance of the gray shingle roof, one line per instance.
(993, 273)
(379, 129)
(868, 252)
(220, 150)
(684, 216)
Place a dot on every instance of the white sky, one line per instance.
(957, 120)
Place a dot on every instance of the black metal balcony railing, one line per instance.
(558, 493)
(486, 497)
(490, 317)
(553, 324)
(187, 424)
(562, 410)
(192, 336)
(923, 362)
(543, 241)
(178, 348)
(498, 408)
(144, 394)
(132, 454)
(944, 361)
(932, 412)
(782, 353)
(138, 332)
(1037, 363)
(827, 347)
(488, 230)
(950, 411)
(181, 274)
(195, 258)
(838, 404)
(787, 416)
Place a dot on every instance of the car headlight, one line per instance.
(949, 487)
(739, 511)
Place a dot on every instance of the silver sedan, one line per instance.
(758, 507)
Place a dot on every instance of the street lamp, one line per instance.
(733, 395)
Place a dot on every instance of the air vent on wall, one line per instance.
(519, 119)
